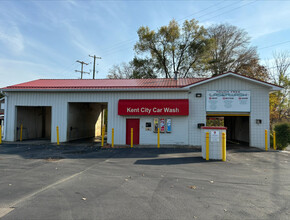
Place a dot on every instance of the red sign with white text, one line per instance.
(153, 107)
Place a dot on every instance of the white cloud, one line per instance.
(11, 38)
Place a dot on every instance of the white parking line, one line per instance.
(284, 151)
(5, 211)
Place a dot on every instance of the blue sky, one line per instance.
(44, 38)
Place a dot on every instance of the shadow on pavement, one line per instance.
(172, 161)
(85, 152)
(237, 148)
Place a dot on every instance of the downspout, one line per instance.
(188, 124)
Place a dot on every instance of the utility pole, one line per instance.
(82, 69)
(94, 67)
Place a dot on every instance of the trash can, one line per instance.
(214, 140)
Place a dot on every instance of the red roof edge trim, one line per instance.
(234, 74)
(249, 77)
(214, 128)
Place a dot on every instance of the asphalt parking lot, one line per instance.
(77, 182)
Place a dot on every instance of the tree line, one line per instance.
(192, 50)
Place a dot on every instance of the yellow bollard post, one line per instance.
(207, 145)
(0, 134)
(103, 135)
(158, 138)
(57, 135)
(266, 140)
(21, 129)
(224, 147)
(112, 137)
(274, 140)
(131, 137)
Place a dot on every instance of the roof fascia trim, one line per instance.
(99, 90)
(272, 87)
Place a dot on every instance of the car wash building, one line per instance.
(178, 107)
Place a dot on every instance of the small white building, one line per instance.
(179, 108)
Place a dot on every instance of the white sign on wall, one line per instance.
(228, 101)
(215, 136)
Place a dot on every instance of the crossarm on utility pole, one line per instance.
(82, 68)
(94, 67)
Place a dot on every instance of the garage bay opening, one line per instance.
(237, 127)
(33, 122)
(86, 121)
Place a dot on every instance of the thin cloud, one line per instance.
(17, 71)
(11, 38)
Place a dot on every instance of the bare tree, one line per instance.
(230, 49)
(121, 71)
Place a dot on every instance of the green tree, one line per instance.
(143, 68)
(282, 135)
(230, 50)
(254, 69)
(172, 48)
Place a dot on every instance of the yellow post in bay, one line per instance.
(131, 137)
(158, 138)
(103, 135)
(57, 135)
(224, 147)
(207, 145)
(112, 137)
(266, 140)
(21, 129)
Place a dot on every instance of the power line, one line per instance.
(232, 10)
(198, 17)
(285, 42)
(214, 5)
(117, 47)
(212, 12)
(63, 70)
(114, 49)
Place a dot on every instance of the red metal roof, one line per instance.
(104, 83)
(70, 84)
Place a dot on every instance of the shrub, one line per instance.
(282, 135)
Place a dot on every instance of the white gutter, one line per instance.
(183, 89)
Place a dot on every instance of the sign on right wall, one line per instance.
(228, 101)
